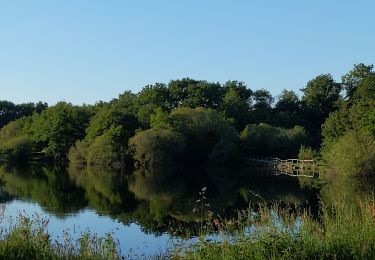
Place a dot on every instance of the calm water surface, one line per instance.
(146, 210)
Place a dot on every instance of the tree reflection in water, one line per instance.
(163, 200)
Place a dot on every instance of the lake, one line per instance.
(150, 211)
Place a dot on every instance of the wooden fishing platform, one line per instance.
(291, 167)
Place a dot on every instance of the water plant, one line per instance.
(342, 232)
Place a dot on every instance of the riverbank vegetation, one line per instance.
(28, 238)
(190, 122)
(341, 233)
(276, 232)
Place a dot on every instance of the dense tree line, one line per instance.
(349, 143)
(10, 111)
(194, 122)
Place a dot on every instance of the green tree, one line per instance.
(357, 114)
(12, 129)
(353, 154)
(112, 125)
(150, 98)
(111, 116)
(320, 97)
(17, 149)
(178, 90)
(57, 128)
(103, 150)
(262, 108)
(10, 111)
(287, 109)
(15, 142)
(78, 152)
(209, 136)
(159, 119)
(204, 94)
(349, 132)
(157, 147)
(353, 78)
(267, 140)
(237, 102)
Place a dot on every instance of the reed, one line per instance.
(340, 232)
(28, 238)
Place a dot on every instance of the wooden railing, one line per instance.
(292, 167)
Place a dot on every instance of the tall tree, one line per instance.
(57, 128)
(204, 94)
(151, 97)
(287, 109)
(262, 108)
(10, 111)
(353, 78)
(237, 102)
(321, 94)
(178, 90)
(320, 97)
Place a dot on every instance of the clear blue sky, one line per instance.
(83, 51)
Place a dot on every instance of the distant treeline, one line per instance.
(195, 122)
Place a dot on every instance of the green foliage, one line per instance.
(208, 135)
(17, 149)
(178, 90)
(335, 126)
(359, 116)
(103, 150)
(78, 152)
(155, 147)
(321, 94)
(262, 108)
(15, 145)
(320, 97)
(349, 133)
(345, 234)
(109, 117)
(208, 115)
(307, 153)
(353, 153)
(57, 129)
(159, 119)
(266, 140)
(150, 98)
(287, 110)
(365, 90)
(107, 136)
(10, 112)
(29, 239)
(354, 78)
(204, 94)
(236, 107)
(11, 130)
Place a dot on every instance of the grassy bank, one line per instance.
(341, 232)
(28, 238)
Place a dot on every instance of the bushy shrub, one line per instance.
(155, 147)
(17, 149)
(102, 151)
(209, 136)
(78, 152)
(353, 153)
(307, 153)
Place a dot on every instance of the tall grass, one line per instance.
(340, 232)
(28, 238)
